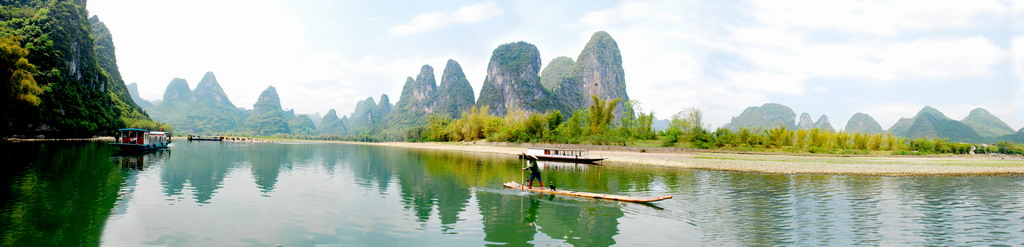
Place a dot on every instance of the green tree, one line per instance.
(571, 130)
(601, 115)
(18, 84)
(19, 87)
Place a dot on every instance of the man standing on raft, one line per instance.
(534, 172)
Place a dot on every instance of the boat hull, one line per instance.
(139, 147)
(514, 185)
(561, 158)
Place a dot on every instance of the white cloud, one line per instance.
(157, 41)
(875, 17)
(880, 63)
(1018, 69)
(627, 12)
(430, 21)
(784, 50)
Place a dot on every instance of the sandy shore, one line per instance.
(780, 164)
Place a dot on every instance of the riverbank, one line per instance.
(978, 165)
(99, 138)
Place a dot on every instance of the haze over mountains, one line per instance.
(979, 127)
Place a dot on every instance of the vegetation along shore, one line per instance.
(986, 165)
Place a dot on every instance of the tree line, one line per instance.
(597, 125)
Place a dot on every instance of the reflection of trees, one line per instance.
(56, 194)
(132, 165)
(370, 165)
(504, 219)
(201, 164)
(266, 162)
(586, 224)
(204, 165)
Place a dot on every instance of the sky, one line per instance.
(884, 58)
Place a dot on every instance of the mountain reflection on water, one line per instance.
(298, 194)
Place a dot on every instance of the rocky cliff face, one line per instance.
(805, 122)
(383, 108)
(513, 80)
(766, 116)
(863, 123)
(418, 94)
(599, 69)
(824, 124)
(454, 95)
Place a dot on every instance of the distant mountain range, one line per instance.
(206, 109)
(514, 81)
(979, 126)
(769, 115)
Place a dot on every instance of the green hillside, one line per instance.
(986, 124)
(930, 122)
(766, 116)
(1017, 137)
(556, 72)
(267, 116)
(863, 123)
(205, 110)
(59, 73)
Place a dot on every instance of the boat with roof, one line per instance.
(141, 140)
(559, 154)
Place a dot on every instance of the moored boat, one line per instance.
(140, 139)
(559, 154)
(205, 138)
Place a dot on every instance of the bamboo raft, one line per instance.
(517, 186)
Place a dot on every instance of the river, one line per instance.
(304, 194)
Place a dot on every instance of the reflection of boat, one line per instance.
(515, 185)
(560, 165)
(205, 138)
(574, 155)
(141, 140)
(138, 160)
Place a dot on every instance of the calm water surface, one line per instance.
(237, 194)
